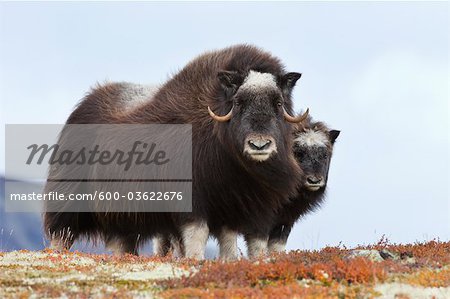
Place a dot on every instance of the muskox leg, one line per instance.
(176, 245)
(161, 244)
(194, 236)
(121, 245)
(256, 245)
(278, 238)
(165, 243)
(228, 244)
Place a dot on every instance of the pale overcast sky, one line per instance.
(379, 72)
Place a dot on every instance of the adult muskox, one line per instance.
(243, 166)
(313, 149)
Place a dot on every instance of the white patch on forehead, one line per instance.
(256, 80)
(134, 95)
(312, 138)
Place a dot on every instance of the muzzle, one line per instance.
(260, 147)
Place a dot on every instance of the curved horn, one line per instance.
(224, 118)
(296, 119)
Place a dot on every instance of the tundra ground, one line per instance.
(420, 270)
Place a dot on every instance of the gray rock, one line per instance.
(371, 254)
(381, 255)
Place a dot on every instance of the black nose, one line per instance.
(314, 180)
(259, 144)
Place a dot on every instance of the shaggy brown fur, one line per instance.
(315, 162)
(229, 189)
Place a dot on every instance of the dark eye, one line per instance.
(279, 104)
(237, 103)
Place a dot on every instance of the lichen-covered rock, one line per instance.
(371, 254)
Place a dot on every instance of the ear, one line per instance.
(287, 81)
(229, 80)
(334, 135)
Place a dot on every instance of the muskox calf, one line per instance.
(238, 101)
(313, 149)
